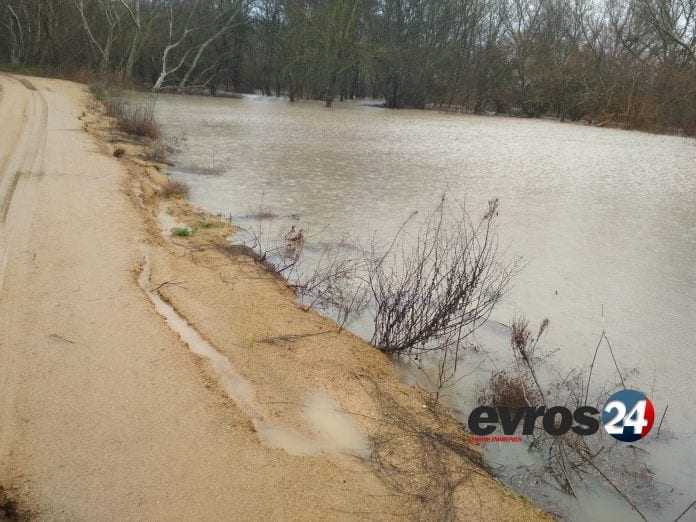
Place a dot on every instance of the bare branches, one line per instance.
(524, 347)
(112, 17)
(568, 458)
(675, 22)
(336, 283)
(688, 508)
(602, 337)
(439, 288)
(203, 46)
(171, 46)
(625, 64)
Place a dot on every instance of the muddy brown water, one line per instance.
(604, 221)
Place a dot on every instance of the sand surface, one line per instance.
(212, 396)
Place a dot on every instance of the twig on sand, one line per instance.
(291, 338)
(61, 338)
(174, 283)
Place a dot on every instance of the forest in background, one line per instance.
(621, 62)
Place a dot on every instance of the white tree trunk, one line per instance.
(202, 48)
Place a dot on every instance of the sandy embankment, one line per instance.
(106, 414)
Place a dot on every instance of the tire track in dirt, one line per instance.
(12, 111)
(26, 144)
(28, 151)
(25, 156)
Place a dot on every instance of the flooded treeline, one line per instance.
(629, 62)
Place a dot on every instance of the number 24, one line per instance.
(634, 419)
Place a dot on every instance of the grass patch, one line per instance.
(182, 232)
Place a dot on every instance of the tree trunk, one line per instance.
(202, 48)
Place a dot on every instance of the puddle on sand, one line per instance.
(336, 428)
(332, 430)
(236, 387)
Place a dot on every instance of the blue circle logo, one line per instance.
(628, 415)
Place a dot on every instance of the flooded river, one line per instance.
(604, 221)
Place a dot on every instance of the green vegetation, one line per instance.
(182, 232)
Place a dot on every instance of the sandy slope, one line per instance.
(104, 412)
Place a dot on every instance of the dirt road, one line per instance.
(104, 412)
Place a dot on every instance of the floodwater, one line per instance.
(603, 221)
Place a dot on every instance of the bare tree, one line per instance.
(16, 32)
(112, 18)
(227, 25)
(133, 8)
(172, 44)
(675, 22)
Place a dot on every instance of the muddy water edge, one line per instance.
(309, 389)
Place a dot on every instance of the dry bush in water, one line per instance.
(270, 247)
(567, 459)
(433, 291)
(174, 189)
(433, 288)
(335, 282)
(505, 388)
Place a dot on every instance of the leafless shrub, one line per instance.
(568, 459)
(507, 389)
(271, 247)
(433, 292)
(524, 348)
(335, 283)
(134, 119)
(157, 152)
(174, 189)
